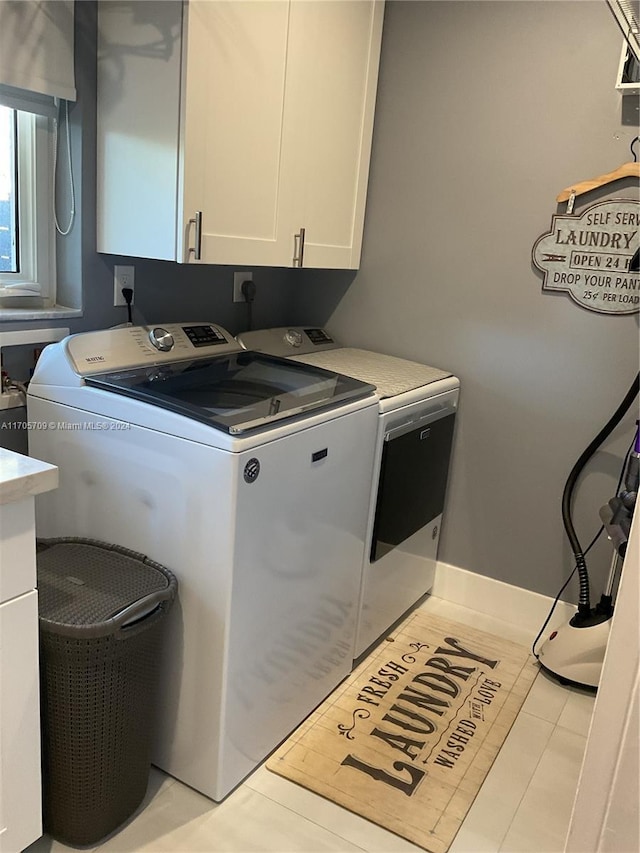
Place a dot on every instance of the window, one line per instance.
(8, 178)
(27, 245)
(37, 76)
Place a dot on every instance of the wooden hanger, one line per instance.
(627, 170)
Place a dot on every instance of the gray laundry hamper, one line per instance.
(101, 610)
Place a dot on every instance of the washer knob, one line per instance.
(161, 339)
(293, 338)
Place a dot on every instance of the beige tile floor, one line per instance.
(523, 807)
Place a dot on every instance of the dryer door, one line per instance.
(413, 477)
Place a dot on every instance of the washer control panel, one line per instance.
(204, 336)
(161, 339)
(293, 337)
(134, 346)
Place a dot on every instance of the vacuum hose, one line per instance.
(584, 603)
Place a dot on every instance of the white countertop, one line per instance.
(22, 476)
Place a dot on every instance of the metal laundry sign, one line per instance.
(588, 256)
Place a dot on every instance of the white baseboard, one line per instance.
(495, 598)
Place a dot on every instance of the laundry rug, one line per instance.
(408, 739)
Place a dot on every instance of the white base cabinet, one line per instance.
(236, 132)
(21, 477)
(20, 787)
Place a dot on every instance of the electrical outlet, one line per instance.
(123, 277)
(238, 278)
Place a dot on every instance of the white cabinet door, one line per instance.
(332, 73)
(20, 794)
(233, 95)
(138, 103)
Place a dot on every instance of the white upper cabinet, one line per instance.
(236, 132)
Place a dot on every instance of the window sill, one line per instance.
(57, 313)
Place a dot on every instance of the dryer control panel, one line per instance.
(288, 340)
(135, 346)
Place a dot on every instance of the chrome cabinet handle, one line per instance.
(197, 221)
(298, 248)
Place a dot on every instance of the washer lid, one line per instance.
(390, 375)
(235, 392)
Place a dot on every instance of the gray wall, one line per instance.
(485, 111)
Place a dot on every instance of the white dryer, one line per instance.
(417, 408)
(246, 475)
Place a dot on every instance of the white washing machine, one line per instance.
(246, 475)
(417, 408)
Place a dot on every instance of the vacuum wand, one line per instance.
(617, 514)
(632, 478)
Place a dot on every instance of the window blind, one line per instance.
(36, 54)
(627, 14)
